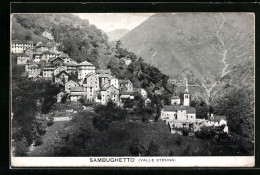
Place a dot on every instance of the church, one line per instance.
(179, 114)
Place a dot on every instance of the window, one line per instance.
(187, 117)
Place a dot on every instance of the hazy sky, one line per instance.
(112, 21)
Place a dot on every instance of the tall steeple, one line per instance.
(186, 89)
(186, 95)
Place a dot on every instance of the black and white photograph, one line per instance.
(132, 89)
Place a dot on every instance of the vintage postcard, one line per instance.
(132, 89)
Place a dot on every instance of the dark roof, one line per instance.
(64, 55)
(104, 75)
(61, 72)
(77, 89)
(22, 42)
(217, 118)
(48, 52)
(54, 58)
(123, 92)
(70, 64)
(126, 81)
(175, 97)
(71, 81)
(103, 71)
(189, 109)
(20, 55)
(34, 66)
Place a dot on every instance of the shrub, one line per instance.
(179, 140)
(50, 121)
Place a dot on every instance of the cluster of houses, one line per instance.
(45, 62)
(181, 115)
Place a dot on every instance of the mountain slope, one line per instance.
(116, 34)
(208, 44)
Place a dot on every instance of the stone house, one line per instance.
(70, 84)
(33, 71)
(89, 92)
(127, 84)
(114, 82)
(175, 100)
(109, 93)
(42, 48)
(84, 68)
(59, 69)
(20, 46)
(71, 67)
(103, 79)
(124, 96)
(22, 58)
(56, 61)
(178, 113)
(92, 80)
(48, 71)
(76, 93)
(62, 77)
(46, 56)
(29, 52)
(37, 57)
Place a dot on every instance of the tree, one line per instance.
(136, 148)
(153, 149)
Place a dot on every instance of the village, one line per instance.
(83, 81)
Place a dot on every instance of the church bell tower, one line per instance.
(186, 95)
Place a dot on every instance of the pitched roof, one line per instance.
(123, 92)
(124, 81)
(34, 66)
(189, 109)
(175, 97)
(77, 89)
(90, 74)
(21, 55)
(85, 63)
(64, 55)
(61, 72)
(104, 75)
(217, 118)
(71, 81)
(103, 71)
(48, 52)
(54, 58)
(22, 42)
(71, 64)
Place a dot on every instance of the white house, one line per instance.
(76, 93)
(175, 100)
(70, 84)
(84, 68)
(114, 82)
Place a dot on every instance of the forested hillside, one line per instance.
(81, 41)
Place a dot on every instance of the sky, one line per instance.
(112, 21)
